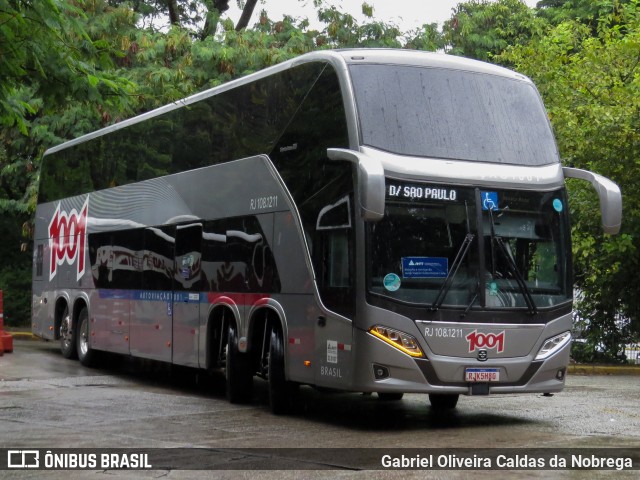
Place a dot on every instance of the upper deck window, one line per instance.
(452, 114)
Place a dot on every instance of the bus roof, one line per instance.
(390, 56)
(341, 57)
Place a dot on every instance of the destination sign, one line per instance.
(412, 191)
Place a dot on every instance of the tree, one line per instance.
(247, 11)
(482, 29)
(51, 52)
(591, 86)
(199, 16)
(587, 12)
(37, 67)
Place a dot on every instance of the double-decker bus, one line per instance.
(383, 221)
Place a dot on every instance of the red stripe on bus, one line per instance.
(239, 298)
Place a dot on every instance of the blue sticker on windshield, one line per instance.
(425, 267)
(391, 282)
(557, 205)
(489, 200)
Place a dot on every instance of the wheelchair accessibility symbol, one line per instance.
(489, 200)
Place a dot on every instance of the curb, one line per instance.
(20, 333)
(575, 369)
(23, 335)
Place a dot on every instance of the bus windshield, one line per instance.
(461, 115)
(468, 248)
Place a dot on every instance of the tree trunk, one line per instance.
(221, 5)
(246, 14)
(213, 17)
(174, 15)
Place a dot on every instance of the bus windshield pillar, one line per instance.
(371, 183)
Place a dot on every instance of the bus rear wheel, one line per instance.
(443, 401)
(239, 377)
(281, 392)
(67, 336)
(86, 354)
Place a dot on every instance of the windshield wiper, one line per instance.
(448, 281)
(516, 273)
(473, 300)
(511, 264)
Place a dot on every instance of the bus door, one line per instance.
(333, 259)
(188, 284)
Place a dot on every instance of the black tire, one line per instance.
(443, 401)
(281, 392)
(86, 354)
(239, 377)
(390, 396)
(67, 336)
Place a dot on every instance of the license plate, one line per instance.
(482, 374)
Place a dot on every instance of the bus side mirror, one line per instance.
(371, 184)
(609, 194)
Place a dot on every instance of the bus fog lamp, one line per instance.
(553, 345)
(400, 340)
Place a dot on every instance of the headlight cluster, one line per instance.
(400, 340)
(552, 345)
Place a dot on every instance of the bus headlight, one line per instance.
(552, 345)
(400, 340)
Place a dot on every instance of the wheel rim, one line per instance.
(84, 338)
(65, 332)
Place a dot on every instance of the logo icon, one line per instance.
(489, 200)
(483, 355)
(23, 459)
(481, 340)
(68, 238)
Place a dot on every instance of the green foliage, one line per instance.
(343, 31)
(591, 86)
(586, 12)
(48, 52)
(15, 272)
(482, 29)
(53, 52)
(427, 38)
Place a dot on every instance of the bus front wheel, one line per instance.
(239, 377)
(443, 401)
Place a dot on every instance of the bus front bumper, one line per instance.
(382, 368)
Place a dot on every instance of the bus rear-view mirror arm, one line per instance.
(371, 184)
(609, 195)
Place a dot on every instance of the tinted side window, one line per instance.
(116, 258)
(332, 253)
(301, 152)
(241, 122)
(158, 265)
(39, 260)
(188, 259)
(101, 258)
(322, 189)
(236, 257)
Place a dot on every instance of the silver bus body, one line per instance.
(323, 230)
